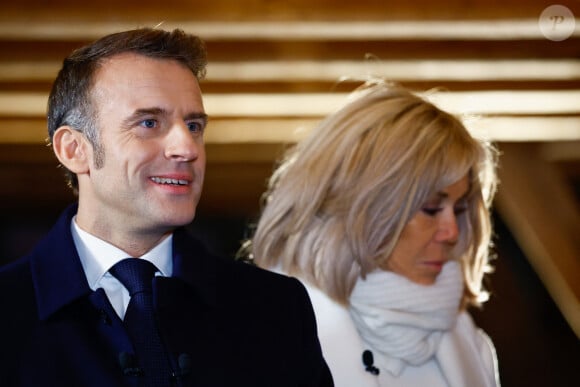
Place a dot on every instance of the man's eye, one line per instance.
(149, 123)
(195, 126)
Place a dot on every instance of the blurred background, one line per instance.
(274, 71)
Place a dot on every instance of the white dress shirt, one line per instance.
(98, 256)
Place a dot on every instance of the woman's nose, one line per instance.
(449, 229)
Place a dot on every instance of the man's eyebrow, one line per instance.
(140, 113)
(157, 111)
(193, 116)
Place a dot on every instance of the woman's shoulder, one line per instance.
(466, 327)
(332, 318)
(341, 344)
(481, 344)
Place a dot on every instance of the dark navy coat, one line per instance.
(236, 325)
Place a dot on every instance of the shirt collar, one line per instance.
(98, 256)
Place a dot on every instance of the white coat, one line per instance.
(342, 348)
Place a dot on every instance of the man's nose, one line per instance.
(182, 144)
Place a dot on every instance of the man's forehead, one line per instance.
(135, 70)
(142, 82)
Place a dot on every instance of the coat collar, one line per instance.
(194, 265)
(59, 278)
(56, 269)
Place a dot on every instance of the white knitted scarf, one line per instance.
(404, 321)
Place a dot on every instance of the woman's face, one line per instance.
(427, 239)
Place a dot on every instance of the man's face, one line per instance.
(150, 118)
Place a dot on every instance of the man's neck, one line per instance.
(135, 244)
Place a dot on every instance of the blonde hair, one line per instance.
(337, 203)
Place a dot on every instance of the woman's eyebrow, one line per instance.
(444, 195)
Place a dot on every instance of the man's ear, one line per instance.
(72, 149)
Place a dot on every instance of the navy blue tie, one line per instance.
(136, 275)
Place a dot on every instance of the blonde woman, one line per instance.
(383, 213)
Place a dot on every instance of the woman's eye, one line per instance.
(459, 210)
(431, 211)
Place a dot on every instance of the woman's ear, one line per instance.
(72, 149)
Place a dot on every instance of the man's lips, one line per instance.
(170, 180)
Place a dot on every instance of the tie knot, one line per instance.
(135, 274)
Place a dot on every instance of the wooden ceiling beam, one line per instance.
(448, 30)
(465, 70)
(496, 102)
(239, 131)
(273, 10)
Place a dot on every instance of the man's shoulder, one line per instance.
(18, 292)
(194, 248)
(15, 274)
(250, 275)
(232, 277)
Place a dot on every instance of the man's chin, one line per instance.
(177, 218)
